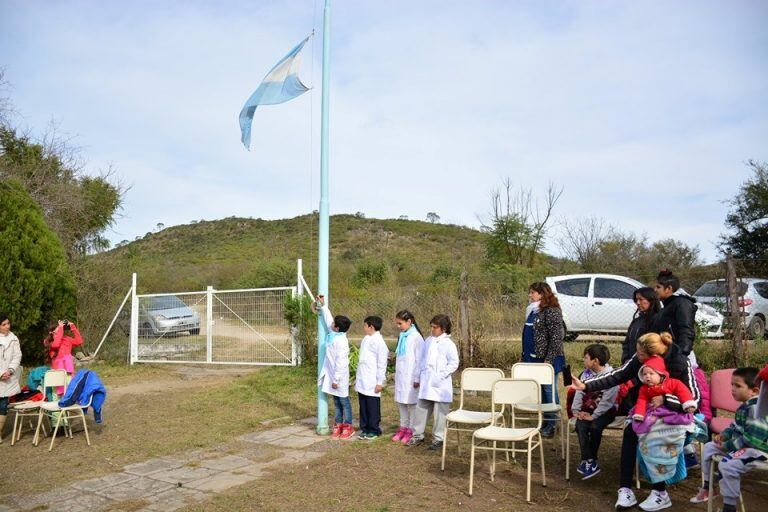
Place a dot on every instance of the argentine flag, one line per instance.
(280, 85)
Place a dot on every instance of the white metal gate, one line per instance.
(214, 326)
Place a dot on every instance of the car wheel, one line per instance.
(194, 332)
(145, 329)
(756, 328)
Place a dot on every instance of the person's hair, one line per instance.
(374, 321)
(443, 322)
(648, 294)
(748, 374)
(666, 278)
(406, 316)
(3, 317)
(51, 327)
(548, 299)
(598, 351)
(342, 323)
(655, 344)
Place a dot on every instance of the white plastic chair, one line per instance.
(54, 379)
(478, 380)
(544, 374)
(510, 392)
(26, 409)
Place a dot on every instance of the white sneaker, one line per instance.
(656, 501)
(626, 499)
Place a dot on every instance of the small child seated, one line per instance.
(743, 445)
(657, 382)
(594, 410)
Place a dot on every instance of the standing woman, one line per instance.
(678, 316)
(648, 306)
(10, 358)
(548, 334)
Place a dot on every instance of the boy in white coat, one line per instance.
(440, 360)
(371, 377)
(410, 344)
(334, 377)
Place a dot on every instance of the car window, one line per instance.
(718, 289)
(612, 289)
(575, 287)
(167, 302)
(762, 289)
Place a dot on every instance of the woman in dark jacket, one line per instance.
(678, 316)
(648, 307)
(679, 367)
(548, 334)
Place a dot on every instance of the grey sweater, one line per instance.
(606, 399)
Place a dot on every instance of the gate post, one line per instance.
(209, 325)
(134, 336)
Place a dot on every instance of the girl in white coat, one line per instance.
(440, 360)
(407, 366)
(334, 377)
(10, 358)
(371, 377)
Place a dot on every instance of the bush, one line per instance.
(303, 322)
(369, 273)
(35, 282)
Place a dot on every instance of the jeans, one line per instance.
(343, 409)
(629, 458)
(546, 397)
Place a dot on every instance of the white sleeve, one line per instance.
(342, 359)
(452, 360)
(327, 318)
(418, 349)
(382, 355)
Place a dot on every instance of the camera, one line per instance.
(66, 322)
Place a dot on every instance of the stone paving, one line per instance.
(172, 482)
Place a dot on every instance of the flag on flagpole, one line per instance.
(280, 85)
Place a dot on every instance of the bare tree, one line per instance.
(582, 240)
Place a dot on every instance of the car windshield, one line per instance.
(718, 289)
(168, 302)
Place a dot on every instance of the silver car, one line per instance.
(754, 300)
(166, 314)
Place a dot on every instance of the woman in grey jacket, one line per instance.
(10, 358)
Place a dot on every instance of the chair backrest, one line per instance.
(720, 391)
(516, 391)
(543, 373)
(478, 379)
(55, 379)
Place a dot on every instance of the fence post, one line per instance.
(209, 325)
(467, 352)
(736, 319)
(134, 341)
(299, 293)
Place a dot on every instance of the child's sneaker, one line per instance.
(362, 436)
(347, 431)
(436, 445)
(582, 467)
(407, 436)
(703, 495)
(691, 461)
(657, 500)
(337, 430)
(591, 469)
(399, 435)
(415, 441)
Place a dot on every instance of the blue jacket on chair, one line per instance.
(85, 384)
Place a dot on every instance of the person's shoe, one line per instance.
(407, 436)
(371, 436)
(591, 470)
(548, 432)
(703, 495)
(362, 436)
(582, 467)
(337, 430)
(657, 500)
(415, 441)
(399, 435)
(347, 431)
(691, 461)
(626, 499)
(436, 445)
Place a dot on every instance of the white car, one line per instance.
(603, 303)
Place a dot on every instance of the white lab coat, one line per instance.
(441, 359)
(336, 365)
(372, 364)
(407, 368)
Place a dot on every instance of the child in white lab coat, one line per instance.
(371, 377)
(334, 377)
(407, 364)
(440, 360)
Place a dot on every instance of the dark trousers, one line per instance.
(591, 433)
(629, 458)
(370, 413)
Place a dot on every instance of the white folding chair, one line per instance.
(763, 466)
(472, 380)
(27, 409)
(544, 374)
(54, 378)
(510, 392)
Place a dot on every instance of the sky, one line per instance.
(644, 112)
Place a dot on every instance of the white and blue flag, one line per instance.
(280, 85)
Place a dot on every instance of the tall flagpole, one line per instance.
(324, 224)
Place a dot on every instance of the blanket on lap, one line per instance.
(660, 452)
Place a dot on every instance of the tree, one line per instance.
(582, 239)
(160, 226)
(747, 220)
(433, 217)
(403, 217)
(35, 282)
(518, 224)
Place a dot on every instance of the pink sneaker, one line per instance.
(407, 436)
(399, 434)
(703, 495)
(337, 430)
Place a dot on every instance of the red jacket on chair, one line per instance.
(667, 386)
